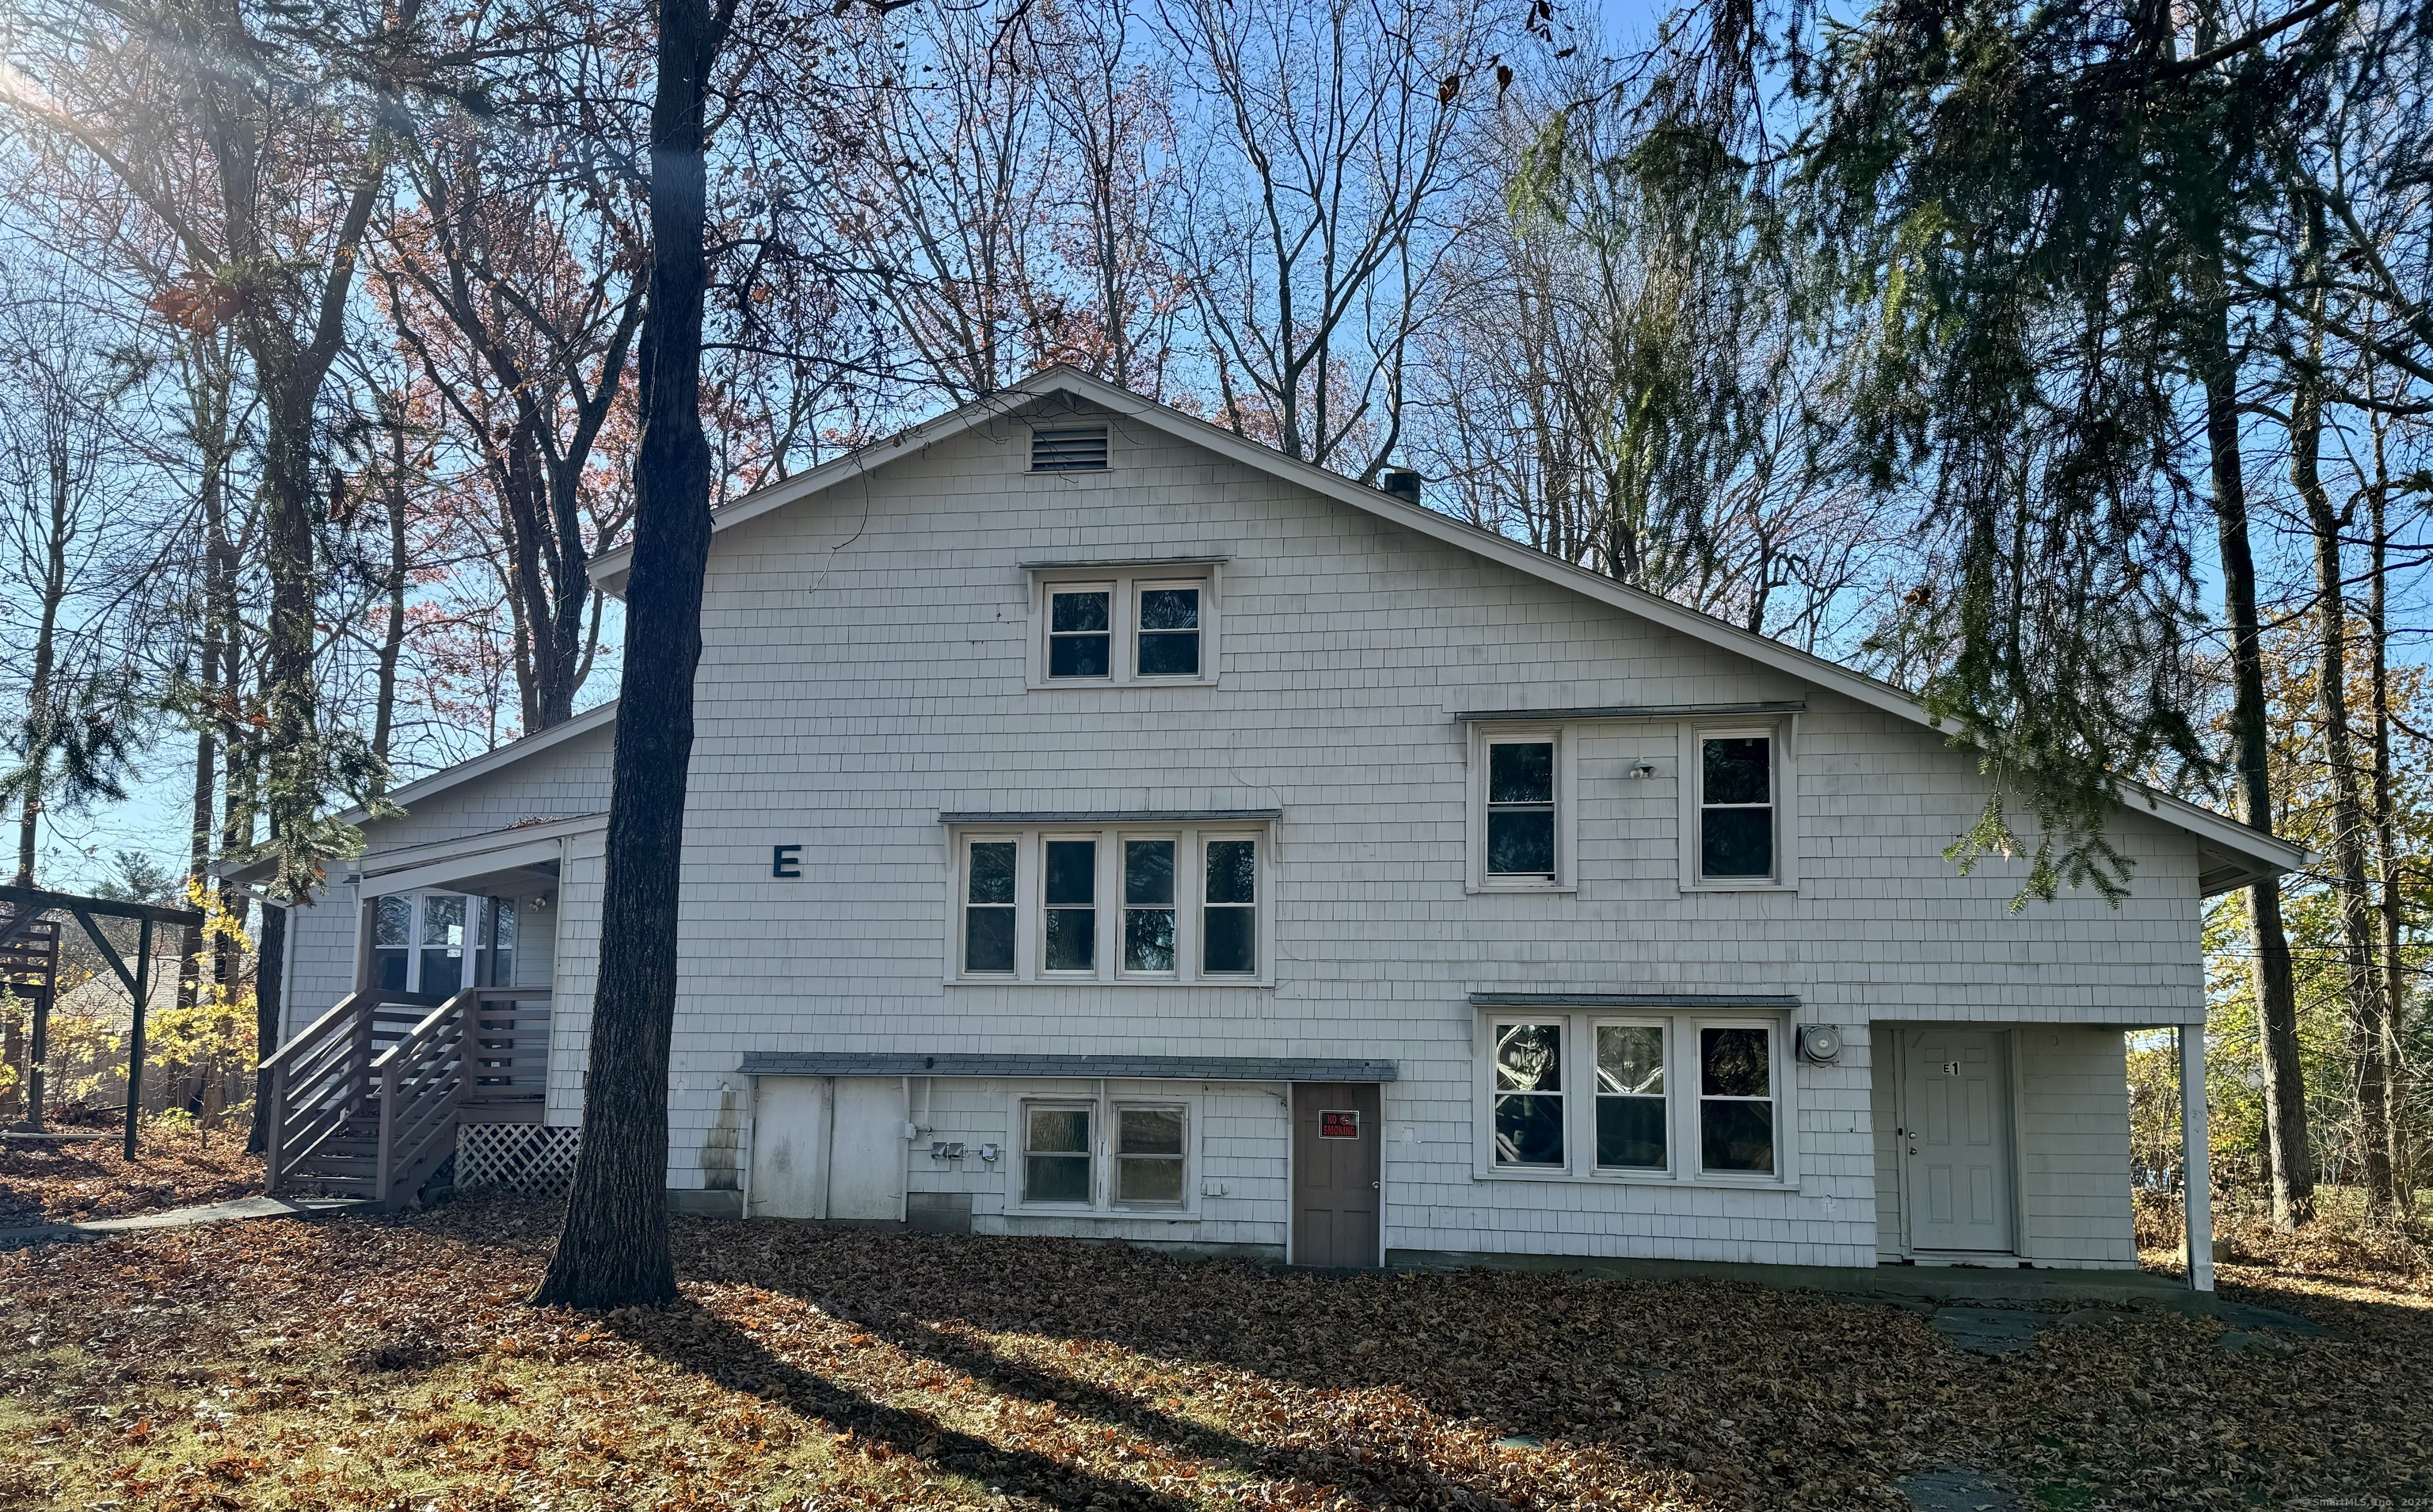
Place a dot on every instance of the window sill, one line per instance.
(1654, 1179)
(1047, 685)
(1125, 1214)
(1524, 888)
(1164, 984)
(1740, 887)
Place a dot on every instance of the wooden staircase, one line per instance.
(365, 1101)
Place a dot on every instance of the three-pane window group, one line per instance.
(1157, 883)
(442, 941)
(1535, 1122)
(1165, 635)
(1735, 789)
(1060, 1154)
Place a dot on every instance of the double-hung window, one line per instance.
(1149, 1155)
(1132, 901)
(1737, 808)
(1057, 1165)
(1630, 1106)
(1111, 1152)
(991, 870)
(1167, 643)
(1736, 1098)
(1521, 821)
(1149, 907)
(1229, 921)
(1122, 624)
(1521, 808)
(1676, 1096)
(1529, 1095)
(1080, 636)
(1070, 894)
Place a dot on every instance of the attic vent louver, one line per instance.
(1069, 449)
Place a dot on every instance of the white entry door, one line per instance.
(867, 1149)
(790, 1148)
(1956, 1140)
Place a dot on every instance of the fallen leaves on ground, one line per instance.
(382, 1362)
(2341, 1245)
(177, 1164)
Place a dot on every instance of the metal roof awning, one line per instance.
(1075, 1067)
(1772, 1002)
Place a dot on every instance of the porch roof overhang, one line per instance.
(517, 868)
(1066, 1068)
(521, 853)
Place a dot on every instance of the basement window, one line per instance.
(1056, 1154)
(1148, 1156)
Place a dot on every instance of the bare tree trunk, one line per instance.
(199, 829)
(2393, 905)
(393, 634)
(209, 391)
(2372, 1069)
(40, 694)
(613, 1250)
(2289, 1150)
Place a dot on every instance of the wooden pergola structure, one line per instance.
(20, 927)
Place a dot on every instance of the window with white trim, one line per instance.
(1080, 636)
(1121, 1149)
(1740, 806)
(1229, 918)
(1150, 1151)
(1069, 906)
(1166, 643)
(1521, 828)
(1672, 1096)
(1736, 807)
(1148, 907)
(1736, 1120)
(990, 874)
(1146, 623)
(1521, 808)
(1122, 903)
(1057, 1149)
(439, 943)
(1630, 1106)
(1529, 1094)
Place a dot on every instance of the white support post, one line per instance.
(2196, 1162)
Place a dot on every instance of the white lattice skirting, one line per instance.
(534, 1159)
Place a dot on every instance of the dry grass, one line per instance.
(177, 1164)
(390, 1364)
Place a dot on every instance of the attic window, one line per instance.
(1069, 449)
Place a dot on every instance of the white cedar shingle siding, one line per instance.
(863, 671)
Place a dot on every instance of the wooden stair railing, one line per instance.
(507, 1055)
(361, 1106)
(420, 1077)
(317, 1084)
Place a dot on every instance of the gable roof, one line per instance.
(2230, 855)
(521, 749)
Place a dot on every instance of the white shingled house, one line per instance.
(1103, 825)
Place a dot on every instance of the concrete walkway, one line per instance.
(233, 1211)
